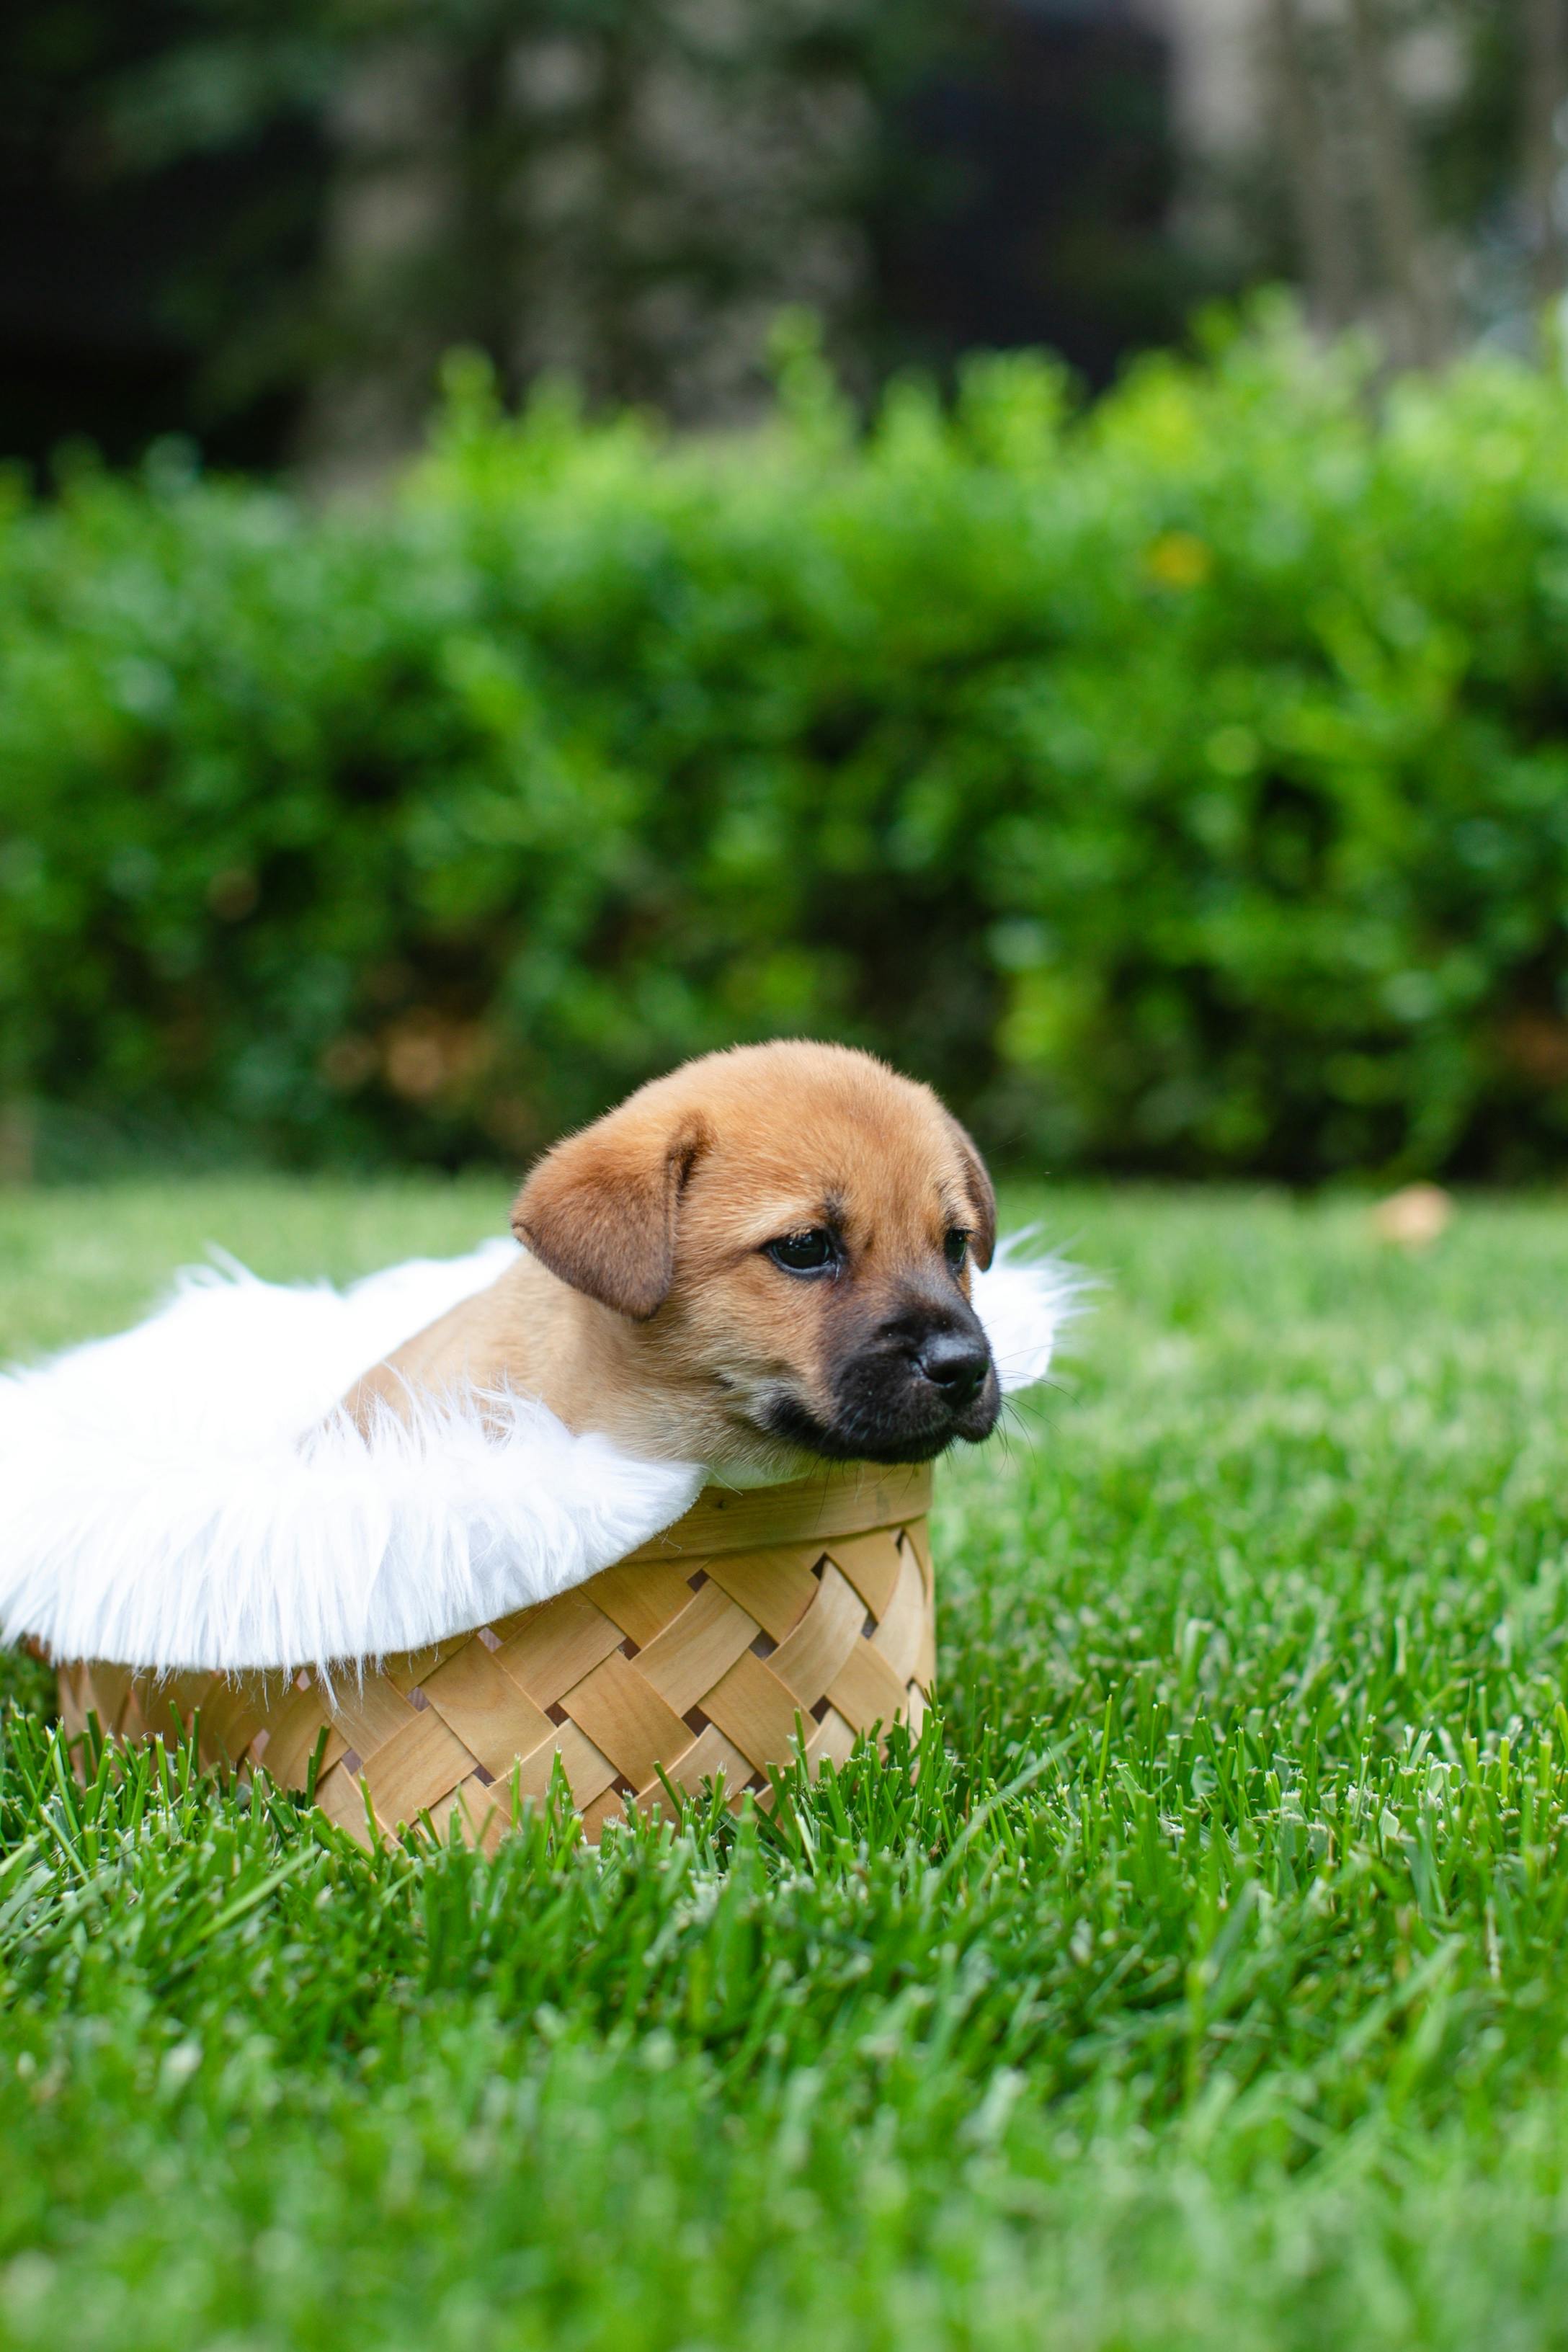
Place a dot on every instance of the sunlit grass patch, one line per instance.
(1196, 1981)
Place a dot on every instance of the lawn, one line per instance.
(1205, 1986)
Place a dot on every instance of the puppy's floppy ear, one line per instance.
(600, 1209)
(981, 1197)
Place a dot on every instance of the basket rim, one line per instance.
(847, 1499)
(852, 1498)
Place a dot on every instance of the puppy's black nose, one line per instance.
(956, 1363)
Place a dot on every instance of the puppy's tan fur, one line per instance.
(647, 1308)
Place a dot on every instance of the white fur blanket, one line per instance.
(184, 1496)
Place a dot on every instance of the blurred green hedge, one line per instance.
(1182, 784)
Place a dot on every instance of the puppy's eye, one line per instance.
(955, 1249)
(815, 1252)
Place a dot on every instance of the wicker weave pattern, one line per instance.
(794, 1610)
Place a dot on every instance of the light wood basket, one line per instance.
(803, 1613)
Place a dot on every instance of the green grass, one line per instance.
(1207, 1986)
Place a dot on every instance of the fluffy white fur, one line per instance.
(183, 1495)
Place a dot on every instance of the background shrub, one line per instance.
(1180, 784)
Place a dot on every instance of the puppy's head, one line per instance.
(792, 1227)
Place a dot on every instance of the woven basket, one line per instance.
(758, 1618)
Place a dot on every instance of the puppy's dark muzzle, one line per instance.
(906, 1391)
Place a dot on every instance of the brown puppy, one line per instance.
(759, 1261)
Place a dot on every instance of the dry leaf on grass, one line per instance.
(1415, 1216)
